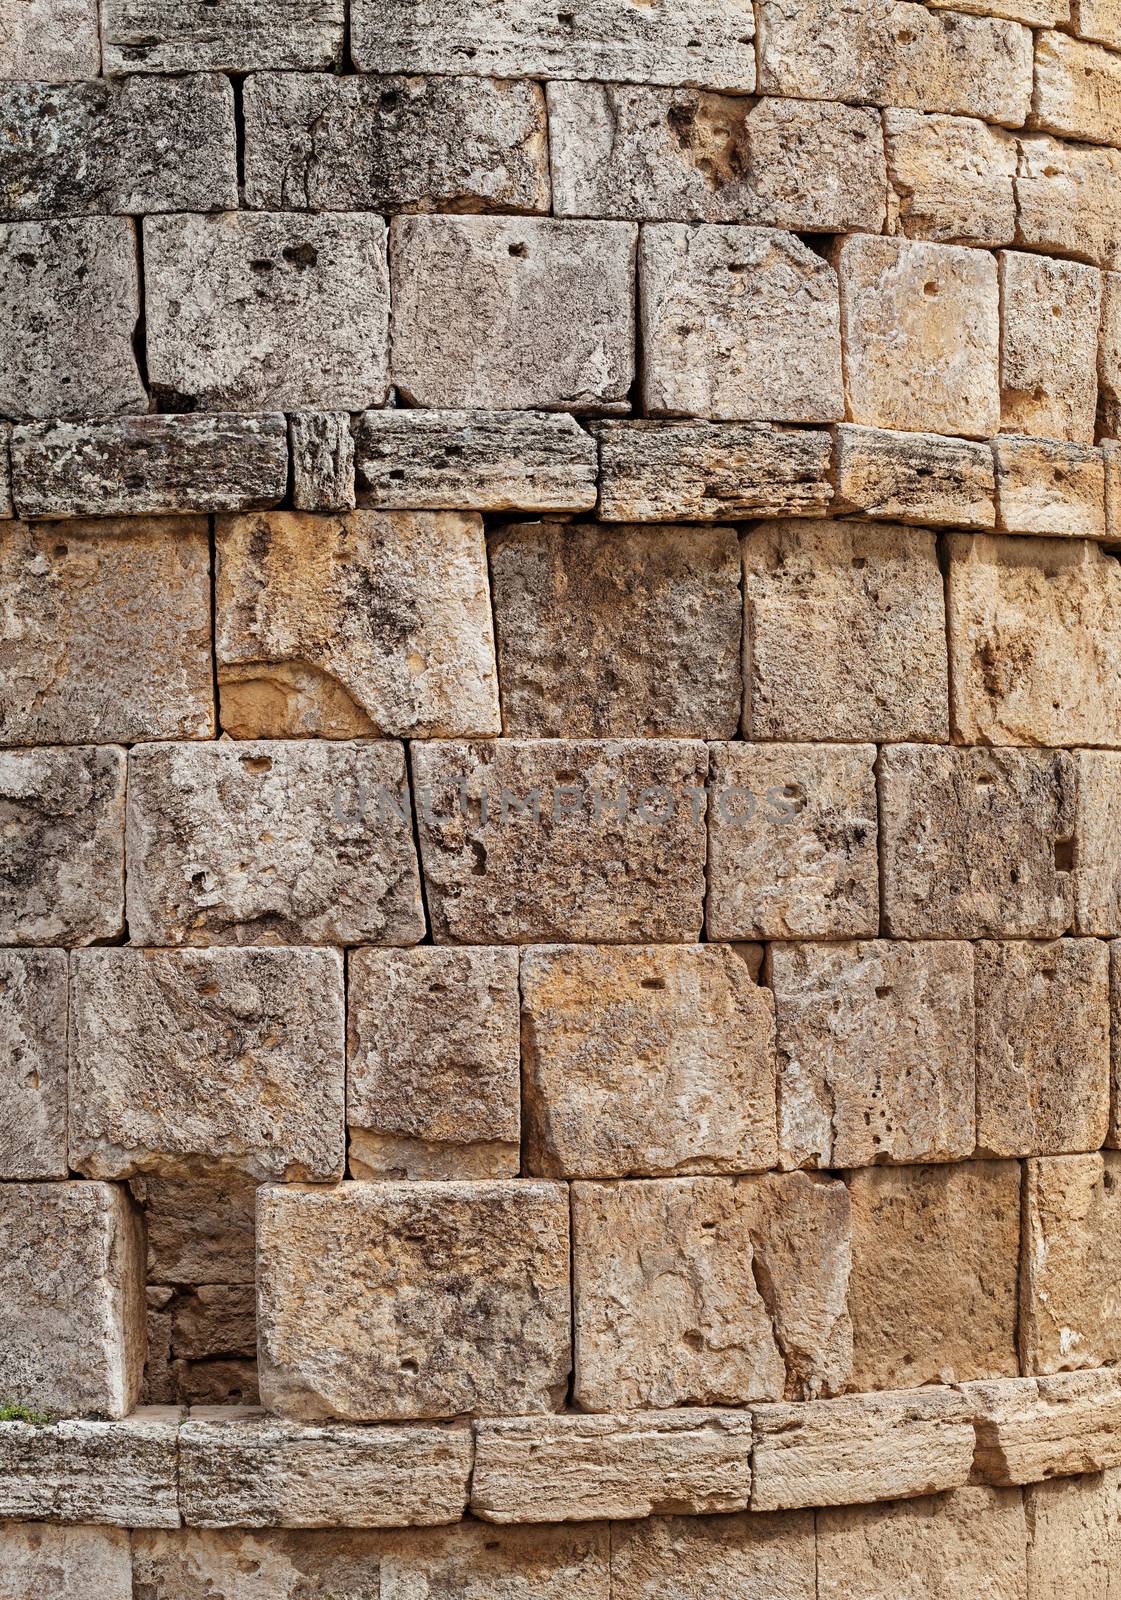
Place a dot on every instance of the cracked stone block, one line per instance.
(1074, 1535)
(1099, 20)
(50, 41)
(935, 1256)
(1047, 486)
(729, 1556)
(385, 1301)
(662, 604)
(550, 841)
(951, 179)
(1098, 875)
(738, 324)
(364, 622)
(116, 1473)
(921, 336)
(62, 819)
(69, 305)
(915, 478)
(677, 155)
(646, 1060)
(259, 311)
(513, 314)
(200, 1229)
(977, 843)
(1077, 89)
(322, 461)
(238, 36)
(183, 1061)
(1051, 312)
(1109, 355)
(32, 1064)
(1028, 1429)
(1068, 1314)
(433, 1064)
(321, 143)
(792, 842)
(1067, 200)
(108, 631)
(271, 842)
(65, 1563)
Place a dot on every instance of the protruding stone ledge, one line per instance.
(1050, 487)
(119, 1473)
(1030, 1429)
(922, 478)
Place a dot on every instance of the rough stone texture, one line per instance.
(322, 143)
(271, 842)
(106, 632)
(977, 843)
(1077, 89)
(689, 1558)
(951, 179)
(200, 1229)
(1047, 487)
(1074, 1537)
(251, 312)
(1114, 1136)
(1037, 13)
(875, 1052)
(433, 1065)
(646, 1060)
(360, 623)
(792, 842)
(32, 1064)
(915, 478)
(1097, 19)
(1109, 355)
(846, 632)
(214, 1320)
(921, 328)
(1067, 198)
(396, 1300)
(65, 1563)
(1033, 1428)
(1050, 315)
(934, 1264)
(6, 507)
(1068, 1311)
(509, 314)
(93, 1472)
(661, 604)
(322, 461)
(62, 817)
(50, 41)
(1098, 880)
(738, 324)
(615, 851)
(72, 1307)
(68, 306)
(238, 36)
(1111, 452)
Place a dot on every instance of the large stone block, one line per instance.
(366, 622)
(1074, 1537)
(259, 312)
(38, 1560)
(32, 1064)
(691, 1557)
(1098, 878)
(382, 1301)
(951, 179)
(1072, 1256)
(242, 36)
(1028, 1429)
(915, 478)
(115, 1473)
(513, 314)
(271, 842)
(50, 41)
(1077, 89)
(1109, 356)
(1047, 486)
(1050, 315)
(1067, 199)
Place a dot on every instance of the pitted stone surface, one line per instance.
(117, 1473)
(1068, 1316)
(1050, 315)
(65, 1563)
(1046, 486)
(732, 1556)
(50, 41)
(238, 36)
(1098, 879)
(915, 478)
(33, 1069)
(322, 461)
(1067, 197)
(1077, 89)
(951, 179)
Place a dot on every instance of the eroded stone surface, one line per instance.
(32, 1064)
(65, 1563)
(200, 1229)
(50, 41)
(121, 1473)
(1033, 1428)
(1077, 89)
(1050, 314)
(1067, 198)
(951, 179)
(692, 1557)
(1074, 1535)
(915, 478)
(242, 36)
(1109, 356)
(1045, 486)
(1068, 1313)
(1097, 19)
(1098, 878)
(322, 461)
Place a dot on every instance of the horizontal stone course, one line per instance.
(172, 36)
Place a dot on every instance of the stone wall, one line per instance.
(560, 706)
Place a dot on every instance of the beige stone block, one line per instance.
(1111, 451)
(1077, 89)
(38, 1560)
(115, 1473)
(1098, 870)
(1074, 1537)
(200, 1229)
(1109, 355)
(50, 41)
(171, 36)
(1050, 315)
(1067, 198)
(1097, 19)
(951, 179)
(1068, 1312)
(915, 478)
(32, 1064)
(691, 1558)
(1036, 13)
(1029, 1429)
(487, 1563)
(1114, 1136)
(1044, 486)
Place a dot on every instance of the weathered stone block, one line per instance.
(1098, 876)
(934, 1266)
(1044, 486)
(65, 1563)
(1114, 1136)
(1109, 355)
(116, 1473)
(951, 179)
(1037, 13)
(792, 842)
(6, 508)
(322, 461)
(433, 1064)
(1074, 1536)
(915, 478)
(32, 1064)
(1077, 89)
(1033, 1428)
(738, 324)
(360, 623)
(266, 312)
(50, 41)
(1068, 1299)
(921, 336)
(242, 36)
(223, 1383)
(390, 1300)
(1067, 199)
(1097, 19)
(213, 1320)
(200, 1229)
(266, 842)
(513, 314)
(977, 843)
(1111, 451)
(1051, 312)
(729, 1556)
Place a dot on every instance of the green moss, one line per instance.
(18, 1413)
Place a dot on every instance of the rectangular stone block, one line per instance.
(738, 324)
(32, 1064)
(1097, 19)
(1037, 13)
(271, 842)
(116, 1473)
(951, 179)
(1077, 89)
(729, 1556)
(1033, 1428)
(322, 461)
(1109, 356)
(915, 478)
(433, 1064)
(1067, 198)
(6, 508)
(1111, 451)
(535, 841)
(200, 1229)
(1068, 1296)
(65, 1563)
(1114, 1137)
(1050, 315)
(977, 843)
(1098, 876)
(266, 312)
(364, 622)
(243, 36)
(1074, 1535)
(511, 314)
(1044, 486)
(50, 41)
(425, 1282)
(213, 1320)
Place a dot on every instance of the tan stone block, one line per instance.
(116, 1473)
(50, 41)
(1033, 1428)
(1111, 451)
(32, 1064)
(1114, 1136)
(1074, 1537)
(1067, 198)
(487, 1563)
(200, 1229)
(1044, 486)
(1077, 89)
(1098, 870)
(1068, 1314)
(915, 478)
(950, 179)
(693, 1558)
(1050, 315)
(1109, 354)
(224, 1383)
(38, 1561)
(1098, 19)
(214, 1320)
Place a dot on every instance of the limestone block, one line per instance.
(1044, 486)
(915, 478)
(1098, 878)
(861, 1448)
(1077, 89)
(1109, 355)
(1097, 19)
(214, 1320)
(68, 308)
(475, 461)
(1074, 1537)
(692, 1557)
(141, 145)
(1068, 1312)
(1067, 198)
(107, 629)
(875, 1052)
(65, 1563)
(645, 1059)
(1114, 1137)
(661, 604)
(363, 622)
(62, 813)
(72, 1306)
(738, 324)
(383, 1301)
(1033, 1428)
(184, 1060)
(581, 1468)
(677, 155)
(433, 1064)
(847, 633)
(513, 314)
(50, 41)
(322, 460)
(934, 1266)
(200, 1229)
(977, 843)
(317, 142)
(241, 36)
(222, 1383)
(1037, 13)
(1051, 312)
(1111, 451)
(711, 472)
(792, 842)
(259, 312)
(951, 179)
(134, 466)
(32, 1064)
(921, 336)
(536, 841)
(93, 1472)
(265, 842)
